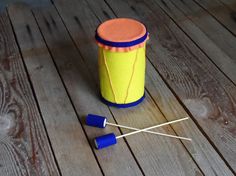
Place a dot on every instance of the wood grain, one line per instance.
(231, 4)
(117, 160)
(24, 147)
(207, 159)
(206, 93)
(69, 142)
(222, 13)
(135, 116)
(215, 31)
(207, 45)
(32, 3)
(152, 160)
(223, 53)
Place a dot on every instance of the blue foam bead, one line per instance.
(96, 121)
(105, 141)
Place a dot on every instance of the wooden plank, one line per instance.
(33, 3)
(223, 53)
(216, 32)
(83, 94)
(170, 106)
(207, 94)
(52, 41)
(231, 4)
(161, 160)
(221, 12)
(215, 53)
(24, 147)
(72, 149)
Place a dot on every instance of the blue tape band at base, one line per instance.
(135, 103)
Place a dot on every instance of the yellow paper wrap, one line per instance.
(122, 75)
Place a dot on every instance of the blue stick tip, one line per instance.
(105, 141)
(96, 121)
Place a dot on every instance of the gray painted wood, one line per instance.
(72, 149)
(24, 147)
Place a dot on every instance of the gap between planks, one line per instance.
(33, 92)
(153, 99)
(22, 96)
(74, 105)
(213, 11)
(221, 55)
(100, 13)
(73, 163)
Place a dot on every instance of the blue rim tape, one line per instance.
(123, 105)
(121, 44)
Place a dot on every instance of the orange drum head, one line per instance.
(121, 30)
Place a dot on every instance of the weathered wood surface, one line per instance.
(171, 108)
(141, 145)
(213, 38)
(205, 92)
(221, 12)
(231, 4)
(71, 147)
(32, 3)
(207, 45)
(24, 147)
(215, 31)
(84, 92)
(58, 48)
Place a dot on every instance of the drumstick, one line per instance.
(152, 127)
(101, 122)
(150, 132)
(110, 139)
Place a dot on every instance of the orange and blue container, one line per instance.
(122, 61)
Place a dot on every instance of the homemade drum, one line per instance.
(122, 64)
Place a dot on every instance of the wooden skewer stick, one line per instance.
(111, 139)
(149, 128)
(151, 132)
(101, 122)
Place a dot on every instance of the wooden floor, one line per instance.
(49, 83)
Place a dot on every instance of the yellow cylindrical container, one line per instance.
(121, 58)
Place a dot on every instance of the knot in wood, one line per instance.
(7, 122)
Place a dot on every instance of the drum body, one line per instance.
(122, 72)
